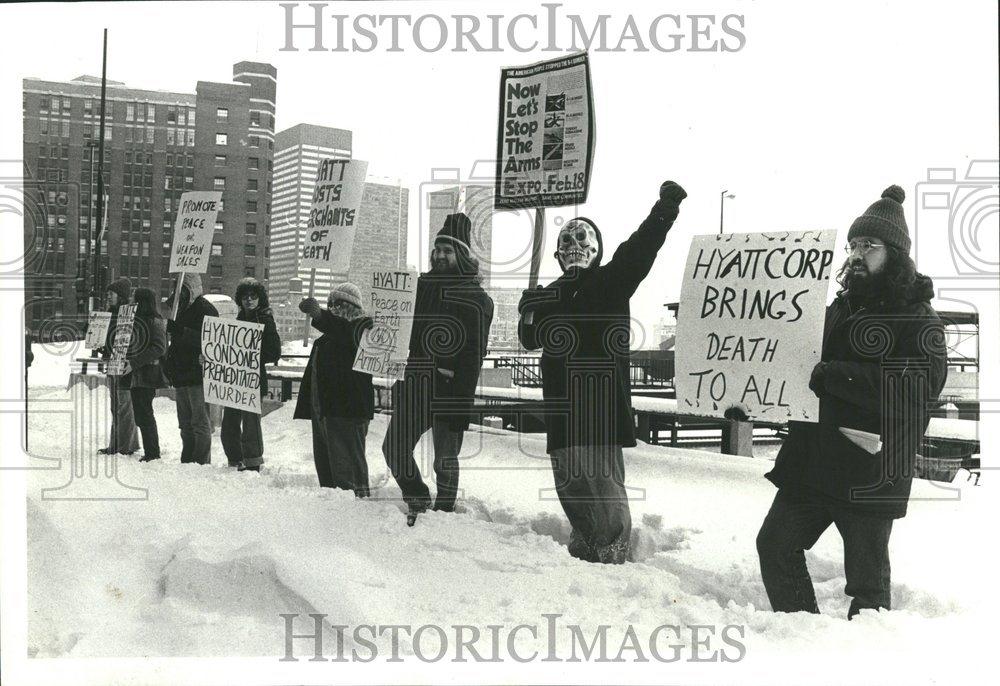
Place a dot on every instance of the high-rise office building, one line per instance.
(380, 233)
(158, 144)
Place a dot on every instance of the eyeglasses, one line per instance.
(864, 247)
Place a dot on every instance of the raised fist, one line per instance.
(671, 193)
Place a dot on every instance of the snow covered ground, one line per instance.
(206, 562)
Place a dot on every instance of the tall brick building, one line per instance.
(158, 144)
(380, 236)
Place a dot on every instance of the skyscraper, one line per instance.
(380, 234)
(158, 144)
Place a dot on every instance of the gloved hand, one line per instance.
(671, 195)
(531, 298)
(311, 307)
(817, 380)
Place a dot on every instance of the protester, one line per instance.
(452, 318)
(184, 371)
(581, 323)
(883, 363)
(144, 371)
(340, 402)
(242, 440)
(123, 437)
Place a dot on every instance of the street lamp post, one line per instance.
(722, 206)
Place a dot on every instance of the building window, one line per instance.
(251, 229)
(221, 139)
(151, 113)
(171, 114)
(220, 160)
(254, 141)
(217, 250)
(215, 271)
(43, 104)
(221, 114)
(190, 138)
(190, 114)
(149, 135)
(251, 205)
(253, 162)
(220, 226)
(251, 184)
(170, 136)
(255, 119)
(130, 111)
(65, 129)
(250, 271)
(250, 250)
(220, 183)
(88, 107)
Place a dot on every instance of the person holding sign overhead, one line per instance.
(339, 401)
(183, 369)
(883, 365)
(242, 440)
(123, 437)
(144, 373)
(581, 323)
(451, 326)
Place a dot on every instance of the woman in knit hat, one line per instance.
(242, 439)
(339, 401)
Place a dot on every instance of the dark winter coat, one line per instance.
(883, 369)
(343, 392)
(145, 354)
(270, 345)
(182, 366)
(581, 323)
(451, 330)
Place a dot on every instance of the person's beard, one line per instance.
(443, 267)
(862, 283)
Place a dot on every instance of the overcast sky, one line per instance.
(825, 106)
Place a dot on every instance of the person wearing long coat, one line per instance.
(339, 401)
(451, 325)
(581, 323)
(883, 366)
(145, 370)
(242, 439)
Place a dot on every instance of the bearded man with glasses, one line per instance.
(883, 366)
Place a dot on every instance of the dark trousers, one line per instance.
(339, 453)
(242, 439)
(411, 418)
(590, 482)
(192, 418)
(123, 437)
(794, 523)
(142, 410)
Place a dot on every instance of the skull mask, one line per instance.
(578, 244)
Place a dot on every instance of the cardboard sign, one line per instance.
(194, 229)
(750, 324)
(232, 362)
(123, 337)
(98, 324)
(333, 218)
(545, 141)
(385, 347)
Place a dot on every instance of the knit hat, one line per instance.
(347, 292)
(884, 220)
(122, 287)
(457, 228)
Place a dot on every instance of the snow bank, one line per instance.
(207, 563)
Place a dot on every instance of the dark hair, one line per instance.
(893, 287)
(145, 299)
